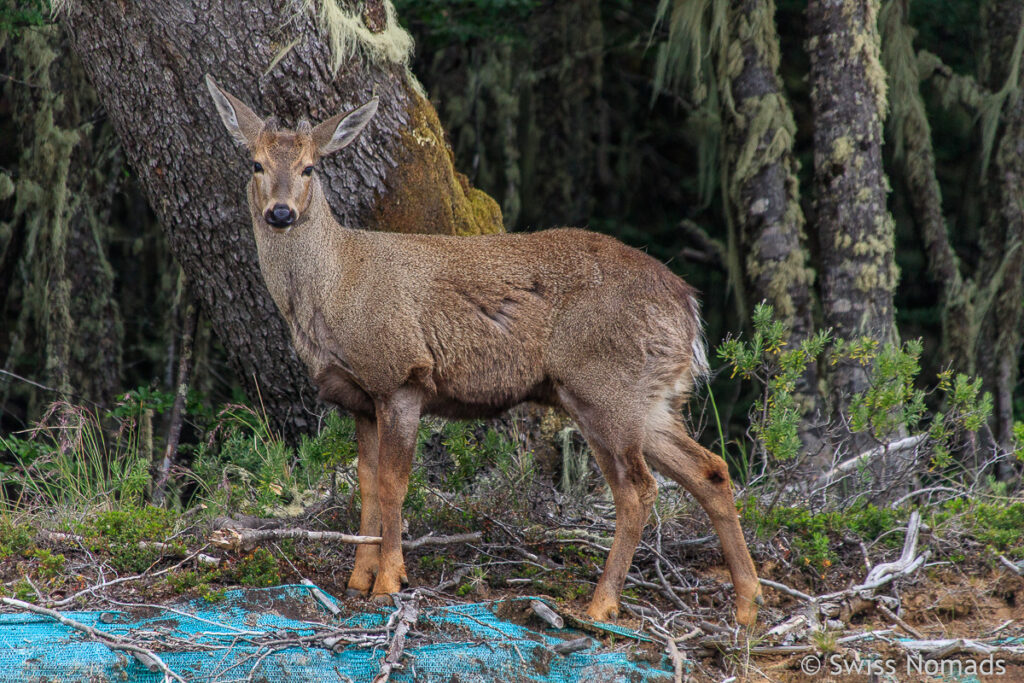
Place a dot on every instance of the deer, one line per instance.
(396, 326)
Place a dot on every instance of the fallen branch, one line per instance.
(887, 572)
(429, 539)
(406, 618)
(245, 539)
(792, 592)
(1012, 566)
(147, 658)
(547, 614)
(892, 616)
(574, 645)
(167, 549)
(844, 467)
(124, 579)
(322, 597)
(241, 539)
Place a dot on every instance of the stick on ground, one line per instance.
(147, 658)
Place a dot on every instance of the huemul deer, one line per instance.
(393, 326)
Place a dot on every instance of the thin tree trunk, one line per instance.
(854, 226)
(1002, 240)
(915, 156)
(762, 184)
(147, 60)
(54, 271)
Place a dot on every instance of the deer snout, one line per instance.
(281, 216)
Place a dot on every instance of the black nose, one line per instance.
(280, 216)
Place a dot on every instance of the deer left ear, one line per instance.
(338, 131)
(242, 122)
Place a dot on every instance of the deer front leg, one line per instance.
(367, 556)
(397, 422)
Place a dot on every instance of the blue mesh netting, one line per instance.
(464, 643)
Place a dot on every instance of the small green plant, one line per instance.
(825, 641)
(245, 466)
(258, 569)
(17, 16)
(891, 401)
(1018, 440)
(51, 565)
(198, 580)
(15, 537)
(996, 524)
(70, 461)
(129, 536)
(775, 416)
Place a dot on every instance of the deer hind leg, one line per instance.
(617, 447)
(671, 451)
(367, 556)
(397, 422)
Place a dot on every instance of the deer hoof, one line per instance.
(382, 599)
(606, 613)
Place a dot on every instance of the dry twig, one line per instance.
(147, 658)
(405, 619)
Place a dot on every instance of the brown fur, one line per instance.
(393, 326)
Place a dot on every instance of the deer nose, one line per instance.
(280, 216)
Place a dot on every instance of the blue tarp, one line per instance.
(215, 641)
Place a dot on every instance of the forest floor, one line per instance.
(152, 557)
(856, 589)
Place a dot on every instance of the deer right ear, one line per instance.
(242, 122)
(338, 131)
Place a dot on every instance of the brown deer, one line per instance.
(393, 326)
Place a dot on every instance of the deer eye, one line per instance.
(307, 171)
(257, 167)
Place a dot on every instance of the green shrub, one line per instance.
(118, 533)
(259, 569)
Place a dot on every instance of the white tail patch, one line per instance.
(699, 368)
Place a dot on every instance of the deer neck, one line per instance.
(296, 262)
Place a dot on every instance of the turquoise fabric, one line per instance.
(466, 643)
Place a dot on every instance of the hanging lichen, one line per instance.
(350, 33)
(67, 322)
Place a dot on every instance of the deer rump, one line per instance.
(481, 324)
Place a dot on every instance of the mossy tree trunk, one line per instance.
(982, 306)
(762, 186)
(57, 282)
(1002, 239)
(147, 60)
(855, 229)
(524, 107)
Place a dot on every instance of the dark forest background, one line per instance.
(713, 135)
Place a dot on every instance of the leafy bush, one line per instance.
(775, 416)
(118, 534)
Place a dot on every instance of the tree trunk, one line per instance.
(915, 157)
(1002, 241)
(147, 60)
(854, 226)
(54, 271)
(762, 184)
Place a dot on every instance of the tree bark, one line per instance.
(147, 60)
(54, 271)
(762, 183)
(915, 157)
(1002, 240)
(855, 229)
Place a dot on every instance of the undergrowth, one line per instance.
(90, 476)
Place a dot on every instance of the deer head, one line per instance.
(283, 161)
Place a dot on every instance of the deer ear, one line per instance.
(242, 122)
(338, 131)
